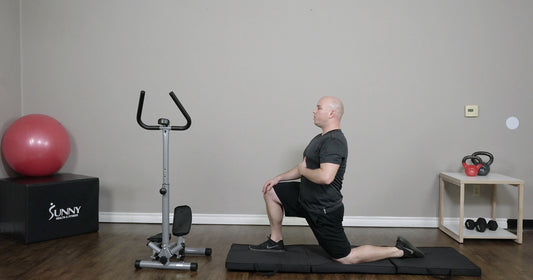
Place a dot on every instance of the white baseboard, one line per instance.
(241, 219)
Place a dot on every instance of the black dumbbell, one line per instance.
(493, 225)
(481, 224)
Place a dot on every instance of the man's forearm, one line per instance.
(291, 174)
(323, 175)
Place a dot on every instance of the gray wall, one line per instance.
(250, 73)
(10, 93)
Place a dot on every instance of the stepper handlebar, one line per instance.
(158, 127)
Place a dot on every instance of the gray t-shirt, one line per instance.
(331, 147)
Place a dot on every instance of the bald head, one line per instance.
(334, 104)
(328, 113)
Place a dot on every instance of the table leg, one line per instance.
(461, 212)
(519, 222)
(494, 195)
(441, 202)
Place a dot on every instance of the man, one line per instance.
(318, 198)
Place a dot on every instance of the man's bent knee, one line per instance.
(271, 196)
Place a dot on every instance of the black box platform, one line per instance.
(35, 209)
(443, 261)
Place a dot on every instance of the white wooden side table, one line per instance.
(459, 179)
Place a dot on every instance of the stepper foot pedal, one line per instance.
(182, 220)
(157, 238)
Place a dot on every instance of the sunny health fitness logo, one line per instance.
(63, 213)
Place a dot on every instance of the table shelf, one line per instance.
(473, 234)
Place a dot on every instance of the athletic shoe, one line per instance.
(409, 251)
(269, 246)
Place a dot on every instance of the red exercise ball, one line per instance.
(36, 145)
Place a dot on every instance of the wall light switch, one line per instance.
(471, 111)
(476, 190)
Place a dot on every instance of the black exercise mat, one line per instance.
(438, 261)
(313, 259)
(293, 260)
(298, 258)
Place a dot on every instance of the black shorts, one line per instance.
(326, 225)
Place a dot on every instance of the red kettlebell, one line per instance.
(471, 170)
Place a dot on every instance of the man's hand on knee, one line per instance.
(269, 185)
